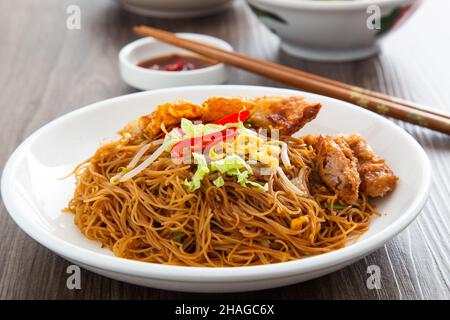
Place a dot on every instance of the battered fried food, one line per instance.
(346, 163)
(376, 177)
(287, 114)
(337, 166)
(218, 107)
(169, 114)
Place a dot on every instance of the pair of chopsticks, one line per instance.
(374, 101)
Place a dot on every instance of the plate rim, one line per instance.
(209, 274)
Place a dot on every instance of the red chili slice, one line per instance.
(198, 144)
(234, 118)
(177, 66)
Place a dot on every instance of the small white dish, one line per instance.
(147, 48)
(175, 8)
(34, 197)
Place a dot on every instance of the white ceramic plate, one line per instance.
(34, 196)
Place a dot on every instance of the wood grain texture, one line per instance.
(47, 70)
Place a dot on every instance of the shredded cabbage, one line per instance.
(230, 163)
(197, 130)
(218, 182)
(202, 170)
(171, 137)
(264, 187)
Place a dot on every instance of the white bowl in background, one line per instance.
(34, 197)
(330, 30)
(175, 8)
(147, 48)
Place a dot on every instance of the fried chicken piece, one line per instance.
(287, 114)
(338, 168)
(376, 177)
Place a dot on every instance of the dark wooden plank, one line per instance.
(47, 70)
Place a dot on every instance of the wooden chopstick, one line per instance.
(374, 101)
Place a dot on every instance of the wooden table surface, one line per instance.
(47, 70)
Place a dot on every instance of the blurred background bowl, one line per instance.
(175, 8)
(331, 30)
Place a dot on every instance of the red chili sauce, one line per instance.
(176, 62)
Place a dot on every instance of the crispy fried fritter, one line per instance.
(169, 113)
(376, 177)
(287, 114)
(338, 168)
(216, 108)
